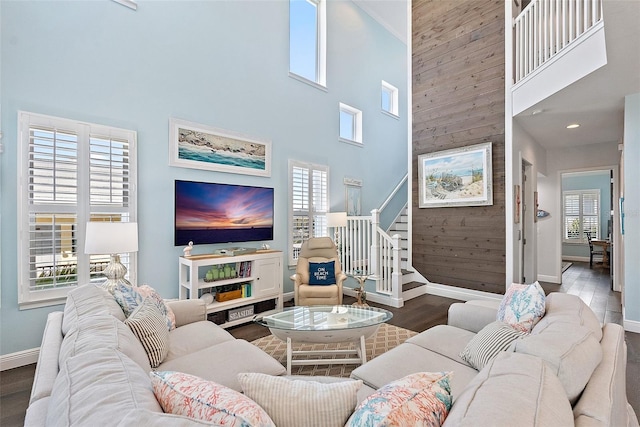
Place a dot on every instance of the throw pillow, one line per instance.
(488, 342)
(295, 403)
(420, 399)
(193, 397)
(129, 297)
(322, 273)
(149, 326)
(522, 306)
(148, 291)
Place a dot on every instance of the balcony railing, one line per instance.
(546, 27)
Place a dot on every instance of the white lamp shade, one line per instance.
(111, 238)
(337, 219)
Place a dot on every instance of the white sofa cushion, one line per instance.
(567, 308)
(570, 350)
(102, 331)
(296, 403)
(194, 337)
(97, 386)
(150, 326)
(446, 340)
(223, 362)
(512, 390)
(88, 300)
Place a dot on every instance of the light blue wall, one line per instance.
(219, 63)
(598, 181)
(631, 236)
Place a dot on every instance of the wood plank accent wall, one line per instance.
(458, 100)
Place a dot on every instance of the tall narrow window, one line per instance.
(350, 124)
(389, 98)
(308, 204)
(581, 215)
(69, 173)
(307, 40)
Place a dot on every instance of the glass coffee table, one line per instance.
(326, 324)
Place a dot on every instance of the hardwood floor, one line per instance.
(419, 314)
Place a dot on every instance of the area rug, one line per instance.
(387, 337)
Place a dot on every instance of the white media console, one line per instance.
(260, 273)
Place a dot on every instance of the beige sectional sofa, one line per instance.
(569, 371)
(92, 370)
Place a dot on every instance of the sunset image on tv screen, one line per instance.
(222, 213)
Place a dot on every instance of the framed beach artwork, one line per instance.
(196, 146)
(456, 177)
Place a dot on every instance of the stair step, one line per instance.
(411, 285)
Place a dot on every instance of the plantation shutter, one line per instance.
(581, 214)
(69, 173)
(308, 204)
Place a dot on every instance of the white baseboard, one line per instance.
(19, 358)
(630, 325)
(575, 258)
(549, 279)
(460, 293)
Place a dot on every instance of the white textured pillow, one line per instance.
(522, 306)
(488, 342)
(296, 403)
(149, 325)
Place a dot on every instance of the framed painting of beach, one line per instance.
(196, 146)
(456, 177)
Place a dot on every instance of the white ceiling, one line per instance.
(596, 101)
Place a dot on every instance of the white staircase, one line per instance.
(413, 284)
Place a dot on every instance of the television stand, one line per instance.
(258, 275)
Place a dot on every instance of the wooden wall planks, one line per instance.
(458, 100)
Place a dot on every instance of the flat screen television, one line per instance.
(208, 213)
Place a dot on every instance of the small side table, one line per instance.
(361, 294)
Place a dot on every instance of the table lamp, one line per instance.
(112, 238)
(336, 220)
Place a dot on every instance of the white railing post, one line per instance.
(375, 249)
(396, 275)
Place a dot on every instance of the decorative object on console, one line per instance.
(196, 146)
(188, 248)
(112, 238)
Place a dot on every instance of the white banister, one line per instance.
(545, 27)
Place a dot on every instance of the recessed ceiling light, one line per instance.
(573, 126)
(534, 112)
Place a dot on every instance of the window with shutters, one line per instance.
(69, 173)
(308, 204)
(581, 214)
(307, 41)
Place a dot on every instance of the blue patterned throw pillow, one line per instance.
(522, 306)
(322, 273)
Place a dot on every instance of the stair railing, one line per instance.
(546, 27)
(366, 248)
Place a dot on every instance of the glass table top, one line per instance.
(325, 317)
